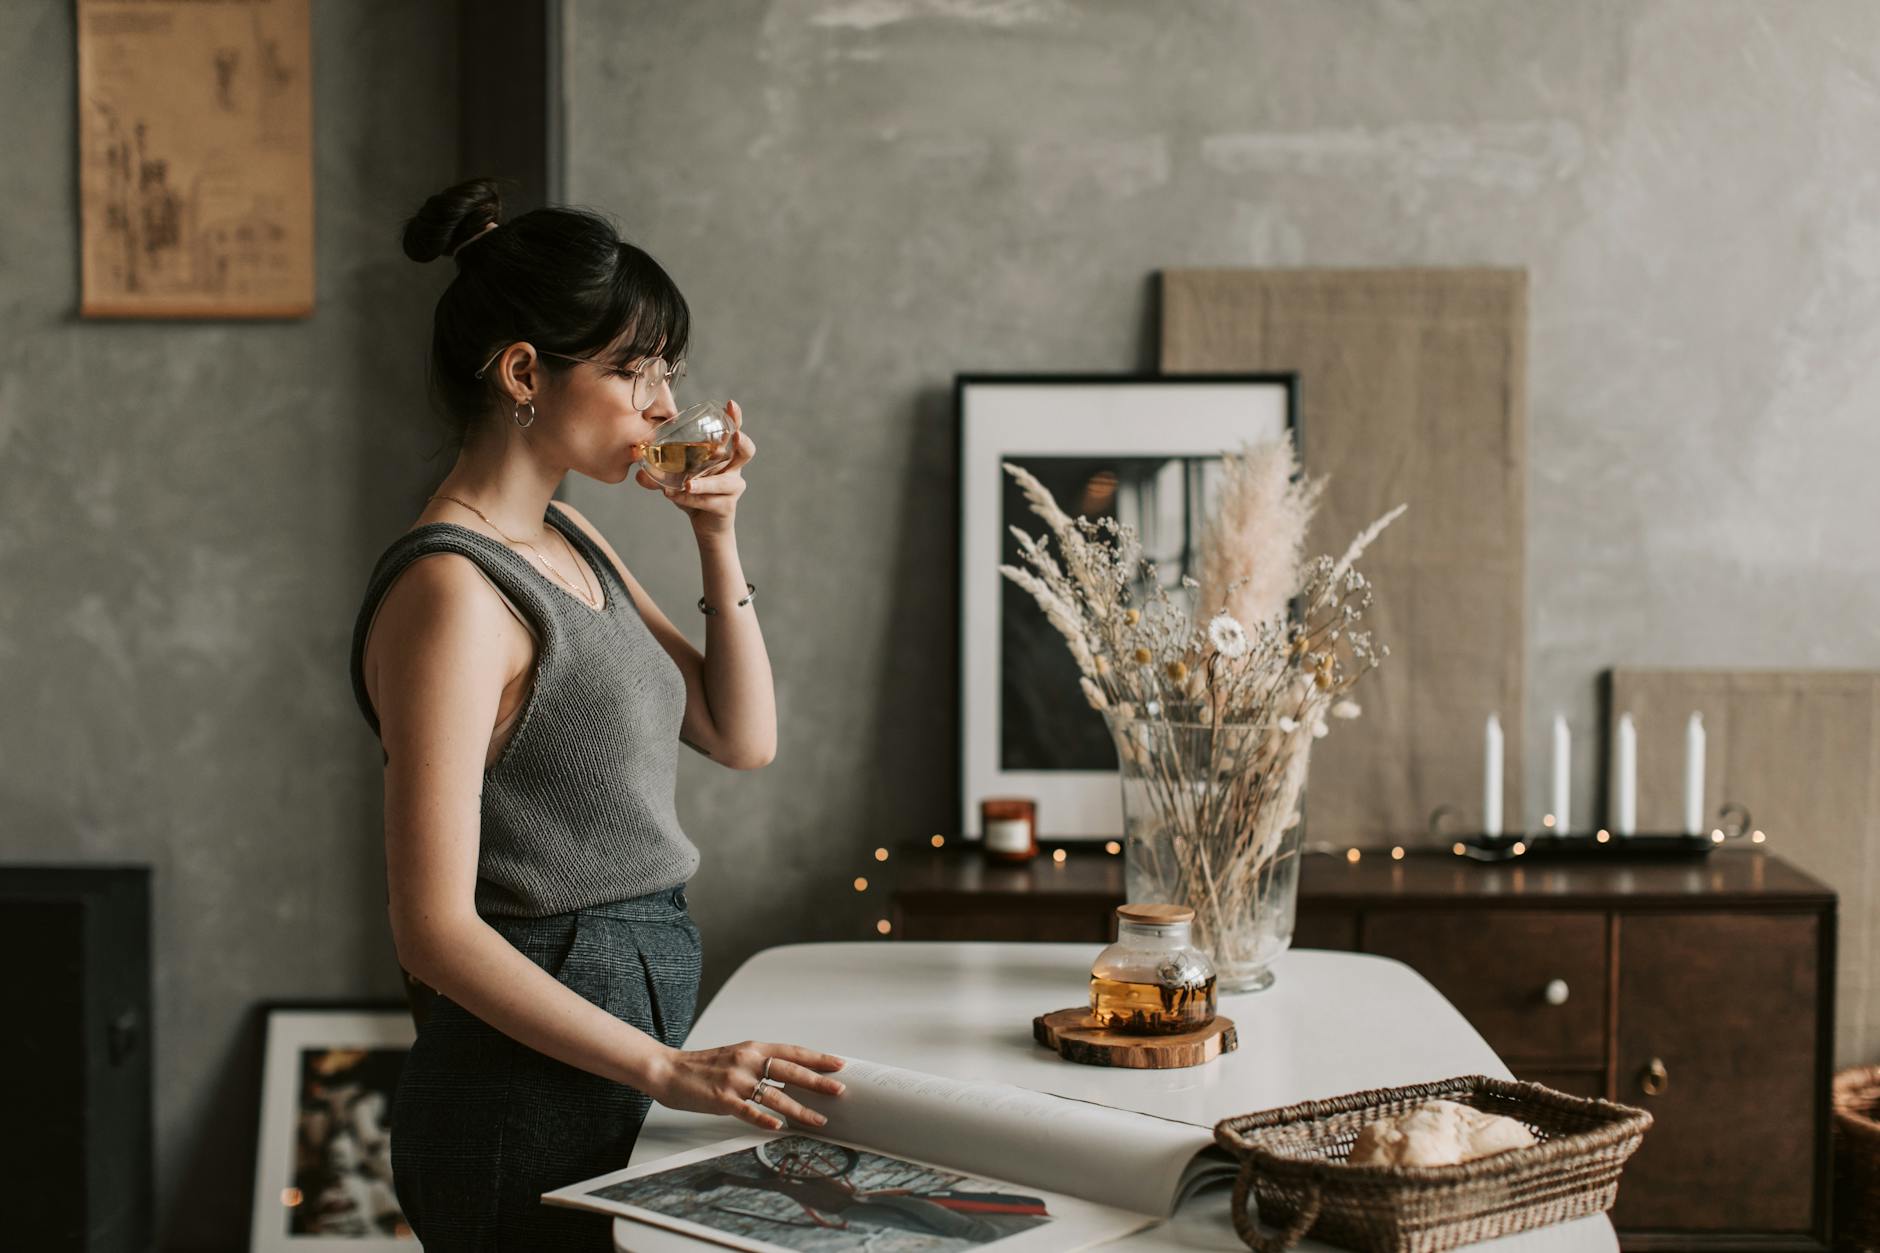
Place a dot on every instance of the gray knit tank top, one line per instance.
(578, 809)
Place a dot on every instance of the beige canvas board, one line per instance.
(195, 127)
(1801, 750)
(1412, 389)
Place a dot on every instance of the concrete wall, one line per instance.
(862, 197)
(188, 512)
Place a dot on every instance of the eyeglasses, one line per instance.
(648, 377)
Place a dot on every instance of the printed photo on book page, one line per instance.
(800, 1192)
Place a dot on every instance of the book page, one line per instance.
(789, 1191)
(1109, 1156)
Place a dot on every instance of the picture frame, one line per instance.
(1147, 449)
(195, 159)
(323, 1152)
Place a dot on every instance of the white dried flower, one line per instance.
(1228, 636)
(1288, 725)
(1094, 695)
(1320, 730)
(1346, 709)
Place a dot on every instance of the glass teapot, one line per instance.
(1153, 980)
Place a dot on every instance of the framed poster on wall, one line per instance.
(195, 136)
(1143, 449)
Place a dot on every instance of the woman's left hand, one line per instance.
(711, 500)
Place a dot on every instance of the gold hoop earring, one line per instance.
(520, 406)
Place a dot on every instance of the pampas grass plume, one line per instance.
(1251, 548)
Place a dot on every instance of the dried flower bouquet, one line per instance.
(1213, 703)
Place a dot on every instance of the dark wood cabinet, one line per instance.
(1718, 1016)
(1700, 990)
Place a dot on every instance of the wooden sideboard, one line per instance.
(1700, 990)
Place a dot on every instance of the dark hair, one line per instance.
(559, 277)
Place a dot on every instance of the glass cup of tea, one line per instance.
(698, 440)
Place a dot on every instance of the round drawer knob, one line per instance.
(1555, 992)
(1654, 1079)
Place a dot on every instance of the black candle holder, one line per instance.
(1603, 845)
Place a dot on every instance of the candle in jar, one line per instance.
(1010, 827)
(1491, 777)
(1563, 773)
(1008, 835)
(1694, 775)
(1625, 777)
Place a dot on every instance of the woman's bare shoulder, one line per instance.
(442, 602)
(437, 585)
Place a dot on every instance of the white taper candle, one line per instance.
(1563, 774)
(1625, 777)
(1694, 775)
(1491, 777)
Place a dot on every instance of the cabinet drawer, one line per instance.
(1326, 928)
(1533, 982)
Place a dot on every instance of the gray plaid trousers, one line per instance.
(482, 1125)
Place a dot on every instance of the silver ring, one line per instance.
(757, 1097)
(767, 1061)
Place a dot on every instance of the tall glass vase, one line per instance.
(1211, 821)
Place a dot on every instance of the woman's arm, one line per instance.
(731, 704)
(440, 675)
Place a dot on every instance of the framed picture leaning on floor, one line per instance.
(323, 1162)
(1144, 449)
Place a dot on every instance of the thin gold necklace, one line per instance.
(580, 592)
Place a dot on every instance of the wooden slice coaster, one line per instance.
(1078, 1039)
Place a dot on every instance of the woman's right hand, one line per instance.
(721, 1080)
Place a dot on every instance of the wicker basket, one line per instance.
(1293, 1161)
(1857, 1159)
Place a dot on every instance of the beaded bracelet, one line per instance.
(750, 594)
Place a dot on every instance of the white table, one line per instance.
(1332, 1023)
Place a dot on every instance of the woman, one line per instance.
(530, 699)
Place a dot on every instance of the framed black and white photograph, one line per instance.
(1143, 449)
(323, 1164)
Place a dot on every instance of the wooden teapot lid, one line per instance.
(1155, 915)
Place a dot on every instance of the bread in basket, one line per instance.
(1292, 1162)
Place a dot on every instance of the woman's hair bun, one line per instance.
(452, 218)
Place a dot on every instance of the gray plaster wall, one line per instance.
(188, 512)
(863, 197)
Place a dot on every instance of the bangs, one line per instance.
(646, 315)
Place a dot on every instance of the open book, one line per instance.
(912, 1161)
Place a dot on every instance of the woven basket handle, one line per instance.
(1248, 1227)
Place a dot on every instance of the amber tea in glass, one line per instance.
(1151, 1008)
(697, 441)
